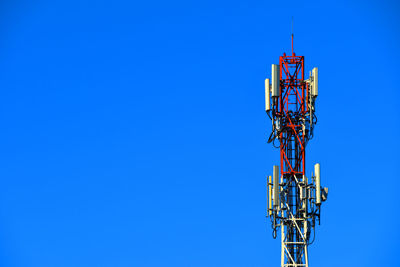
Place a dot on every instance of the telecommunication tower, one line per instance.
(294, 200)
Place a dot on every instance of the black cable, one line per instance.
(313, 230)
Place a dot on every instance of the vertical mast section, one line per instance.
(292, 151)
(290, 103)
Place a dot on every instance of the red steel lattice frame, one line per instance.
(292, 105)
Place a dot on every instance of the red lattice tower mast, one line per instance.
(294, 200)
(292, 106)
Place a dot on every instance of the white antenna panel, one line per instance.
(315, 82)
(276, 185)
(275, 80)
(267, 95)
(317, 169)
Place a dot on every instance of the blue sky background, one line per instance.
(134, 134)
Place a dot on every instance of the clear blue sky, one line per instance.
(134, 134)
